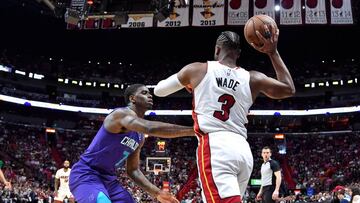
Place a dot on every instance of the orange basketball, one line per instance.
(257, 22)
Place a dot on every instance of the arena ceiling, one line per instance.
(27, 25)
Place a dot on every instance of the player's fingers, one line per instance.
(273, 32)
(255, 46)
(276, 36)
(262, 38)
(267, 31)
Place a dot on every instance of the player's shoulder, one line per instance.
(256, 75)
(120, 112)
(257, 79)
(60, 170)
(196, 65)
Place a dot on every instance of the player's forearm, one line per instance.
(168, 86)
(282, 73)
(166, 130)
(138, 177)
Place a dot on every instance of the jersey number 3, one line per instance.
(227, 101)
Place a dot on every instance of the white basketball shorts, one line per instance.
(225, 163)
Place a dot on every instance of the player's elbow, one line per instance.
(285, 92)
(151, 129)
(290, 91)
(130, 170)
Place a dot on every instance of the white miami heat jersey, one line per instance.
(222, 99)
(64, 178)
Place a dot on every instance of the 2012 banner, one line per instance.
(178, 17)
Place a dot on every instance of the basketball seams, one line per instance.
(260, 19)
(253, 21)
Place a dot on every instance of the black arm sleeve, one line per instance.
(274, 165)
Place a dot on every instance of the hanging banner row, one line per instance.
(215, 13)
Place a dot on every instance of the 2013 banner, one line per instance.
(208, 13)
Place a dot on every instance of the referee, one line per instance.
(270, 178)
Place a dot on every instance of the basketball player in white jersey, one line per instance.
(62, 178)
(222, 96)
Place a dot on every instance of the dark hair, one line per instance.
(355, 191)
(229, 40)
(131, 91)
(341, 192)
(266, 147)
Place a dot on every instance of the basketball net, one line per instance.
(157, 171)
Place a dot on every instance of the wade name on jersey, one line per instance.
(229, 83)
(131, 143)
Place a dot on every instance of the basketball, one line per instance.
(257, 22)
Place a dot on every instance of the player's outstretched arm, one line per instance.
(127, 119)
(188, 77)
(133, 171)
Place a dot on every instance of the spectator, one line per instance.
(341, 196)
(2, 177)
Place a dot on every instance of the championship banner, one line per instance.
(78, 7)
(290, 12)
(139, 21)
(238, 12)
(179, 17)
(341, 12)
(315, 12)
(208, 13)
(265, 7)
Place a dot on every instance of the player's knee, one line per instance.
(102, 198)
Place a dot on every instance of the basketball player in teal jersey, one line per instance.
(119, 142)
